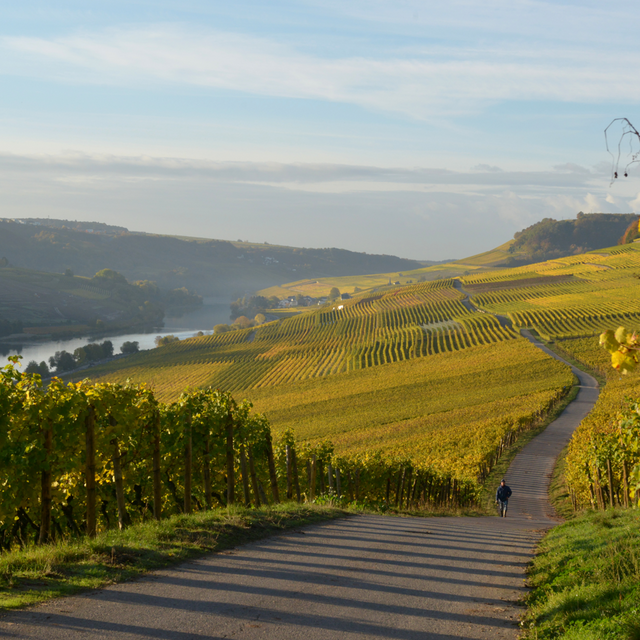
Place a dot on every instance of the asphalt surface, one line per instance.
(360, 577)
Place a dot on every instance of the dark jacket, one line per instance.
(503, 493)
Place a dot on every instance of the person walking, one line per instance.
(502, 498)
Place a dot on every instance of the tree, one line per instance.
(221, 328)
(334, 293)
(62, 361)
(130, 347)
(107, 348)
(162, 341)
(243, 322)
(41, 369)
(249, 306)
(80, 355)
(108, 275)
(260, 318)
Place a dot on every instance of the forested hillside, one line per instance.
(208, 267)
(551, 238)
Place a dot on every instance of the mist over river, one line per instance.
(213, 311)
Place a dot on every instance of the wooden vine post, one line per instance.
(330, 478)
(289, 473)
(245, 476)
(90, 469)
(273, 478)
(408, 485)
(206, 469)
(254, 478)
(118, 480)
(231, 480)
(399, 487)
(312, 479)
(294, 468)
(610, 481)
(187, 464)
(157, 483)
(45, 486)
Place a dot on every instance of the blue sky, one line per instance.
(388, 127)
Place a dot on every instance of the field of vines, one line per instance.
(404, 397)
(605, 449)
(449, 412)
(408, 323)
(577, 296)
(570, 301)
(78, 458)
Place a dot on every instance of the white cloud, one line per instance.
(294, 176)
(485, 168)
(434, 82)
(635, 203)
(417, 212)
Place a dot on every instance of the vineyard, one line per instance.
(79, 458)
(406, 396)
(591, 293)
(415, 372)
(408, 323)
(605, 449)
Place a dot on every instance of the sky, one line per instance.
(407, 128)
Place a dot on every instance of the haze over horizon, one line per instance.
(405, 128)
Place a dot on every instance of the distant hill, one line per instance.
(546, 240)
(208, 267)
(42, 303)
(549, 238)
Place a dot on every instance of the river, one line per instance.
(212, 312)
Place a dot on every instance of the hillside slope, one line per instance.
(38, 303)
(385, 371)
(208, 267)
(540, 242)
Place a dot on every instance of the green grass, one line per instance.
(558, 492)
(586, 579)
(38, 573)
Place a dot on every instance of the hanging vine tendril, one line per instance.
(628, 134)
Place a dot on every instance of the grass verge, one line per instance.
(558, 492)
(586, 579)
(488, 493)
(38, 573)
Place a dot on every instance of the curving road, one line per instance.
(360, 577)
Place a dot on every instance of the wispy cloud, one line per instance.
(434, 82)
(413, 212)
(294, 176)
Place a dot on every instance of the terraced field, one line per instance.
(417, 371)
(412, 322)
(576, 296)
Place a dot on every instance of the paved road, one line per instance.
(361, 577)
